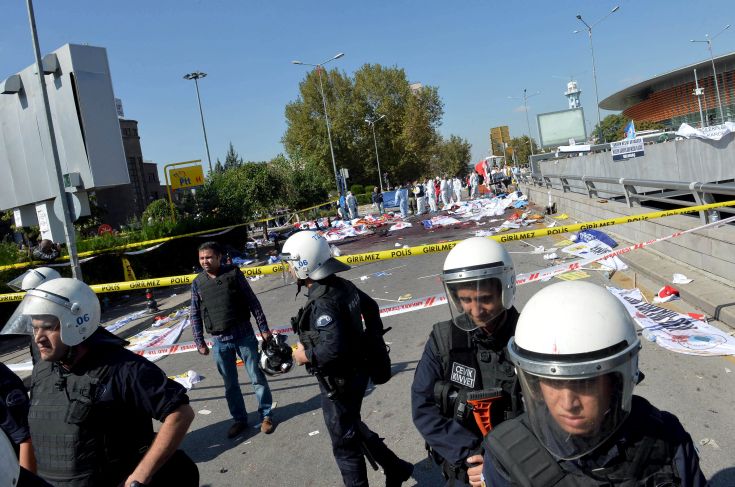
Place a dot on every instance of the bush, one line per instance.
(159, 210)
(364, 199)
(357, 189)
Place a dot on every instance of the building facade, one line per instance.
(122, 203)
(671, 100)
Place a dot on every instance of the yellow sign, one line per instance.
(128, 269)
(186, 177)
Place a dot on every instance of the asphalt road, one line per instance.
(699, 390)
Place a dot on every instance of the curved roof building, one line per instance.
(669, 98)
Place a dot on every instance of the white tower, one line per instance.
(572, 94)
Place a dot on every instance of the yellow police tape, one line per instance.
(133, 245)
(396, 253)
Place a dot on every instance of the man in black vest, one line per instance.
(92, 400)
(332, 344)
(222, 301)
(464, 374)
(576, 352)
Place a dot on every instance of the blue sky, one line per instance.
(477, 52)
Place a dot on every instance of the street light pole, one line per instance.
(69, 235)
(708, 40)
(196, 75)
(326, 115)
(588, 28)
(375, 140)
(525, 98)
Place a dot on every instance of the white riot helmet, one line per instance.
(308, 256)
(576, 353)
(71, 301)
(10, 469)
(32, 278)
(481, 268)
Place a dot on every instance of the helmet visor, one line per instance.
(572, 417)
(32, 310)
(474, 303)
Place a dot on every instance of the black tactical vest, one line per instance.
(78, 441)
(473, 362)
(342, 294)
(222, 302)
(646, 459)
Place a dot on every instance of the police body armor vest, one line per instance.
(470, 364)
(344, 295)
(79, 443)
(222, 302)
(646, 459)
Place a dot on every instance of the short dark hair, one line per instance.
(211, 245)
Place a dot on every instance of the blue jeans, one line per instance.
(225, 356)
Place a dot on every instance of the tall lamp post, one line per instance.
(196, 76)
(525, 98)
(326, 115)
(375, 140)
(588, 28)
(708, 40)
(69, 235)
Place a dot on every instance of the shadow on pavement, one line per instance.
(426, 473)
(207, 443)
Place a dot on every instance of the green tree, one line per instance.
(613, 127)
(454, 156)
(158, 211)
(240, 193)
(232, 158)
(406, 136)
(218, 166)
(609, 128)
(522, 149)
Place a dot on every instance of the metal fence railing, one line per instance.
(638, 190)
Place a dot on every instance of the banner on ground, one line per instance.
(674, 331)
(713, 132)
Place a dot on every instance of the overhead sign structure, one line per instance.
(186, 177)
(556, 128)
(627, 149)
(86, 132)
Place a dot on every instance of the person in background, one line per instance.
(222, 303)
(351, 205)
(47, 251)
(377, 198)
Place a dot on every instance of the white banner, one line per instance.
(713, 132)
(627, 149)
(674, 331)
(594, 248)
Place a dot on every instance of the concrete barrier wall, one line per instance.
(711, 250)
(680, 160)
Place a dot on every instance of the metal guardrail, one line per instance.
(629, 189)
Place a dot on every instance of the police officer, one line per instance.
(11, 473)
(331, 325)
(576, 352)
(466, 357)
(92, 400)
(31, 279)
(14, 406)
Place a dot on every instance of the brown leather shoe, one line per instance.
(267, 425)
(237, 428)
